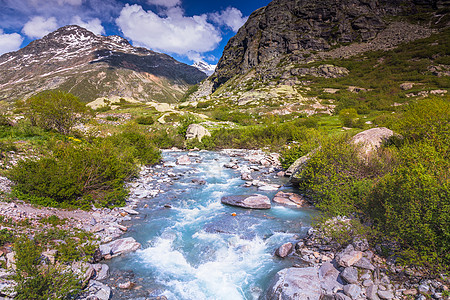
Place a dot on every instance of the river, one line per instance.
(198, 249)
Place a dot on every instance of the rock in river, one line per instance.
(256, 201)
(120, 246)
(295, 283)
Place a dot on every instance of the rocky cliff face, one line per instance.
(300, 27)
(91, 66)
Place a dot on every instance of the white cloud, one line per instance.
(174, 33)
(9, 42)
(94, 25)
(38, 26)
(231, 17)
(165, 3)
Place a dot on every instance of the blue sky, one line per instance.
(189, 30)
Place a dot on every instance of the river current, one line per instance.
(198, 249)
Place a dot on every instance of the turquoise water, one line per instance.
(197, 249)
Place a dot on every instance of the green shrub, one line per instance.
(350, 118)
(6, 236)
(145, 120)
(55, 110)
(38, 281)
(75, 176)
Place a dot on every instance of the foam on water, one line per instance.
(198, 249)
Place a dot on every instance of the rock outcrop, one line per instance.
(371, 139)
(196, 131)
(295, 28)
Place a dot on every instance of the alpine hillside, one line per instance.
(92, 66)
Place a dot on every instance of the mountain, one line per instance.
(205, 67)
(298, 31)
(92, 66)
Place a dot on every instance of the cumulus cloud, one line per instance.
(165, 3)
(9, 42)
(174, 32)
(38, 26)
(230, 17)
(93, 25)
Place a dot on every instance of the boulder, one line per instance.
(284, 250)
(371, 139)
(364, 263)
(183, 160)
(11, 260)
(386, 294)
(297, 165)
(196, 131)
(350, 275)
(98, 290)
(120, 246)
(329, 278)
(348, 256)
(295, 283)
(101, 271)
(255, 201)
(352, 290)
(290, 199)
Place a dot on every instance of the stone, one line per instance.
(386, 294)
(246, 176)
(371, 292)
(120, 246)
(126, 285)
(290, 199)
(183, 160)
(284, 250)
(196, 131)
(364, 263)
(329, 278)
(295, 283)
(341, 296)
(371, 139)
(50, 255)
(350, 275)
(268, 188)
(348, 256)
(11, 260)
(129, 210)
(407, 86)
(360, 244)
(101, 270)
(98, 290)
(297, 165)
(411, 292)
(255, 201)
(352, 290)
(367, 282)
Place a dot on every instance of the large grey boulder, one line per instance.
(98, 290)
(255, 201)
(120, 246)
(348, 257)
(371, 139)
(196, 131)
(297, 165)
(329, 278)
(295, 284)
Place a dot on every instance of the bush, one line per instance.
(76, 176)
(145, 120)
(55, 110)
(350, 118)
(38, 281)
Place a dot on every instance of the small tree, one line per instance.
(55, 110)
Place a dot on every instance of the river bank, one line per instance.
(191, 246)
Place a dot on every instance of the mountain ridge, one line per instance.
(91, 66)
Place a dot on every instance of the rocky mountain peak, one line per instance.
(74, 52)
(299, 27)
(206, 68)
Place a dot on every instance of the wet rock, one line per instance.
(255, 201)
(350, 275)
(198, 181)
(120, 246)
(348, 257)
(352, 290)
(290, 199)
(126, 285)
(129, 210)
(295, 283)
(268, 188)
(246, 176)
(183, 160)
(284, 250)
